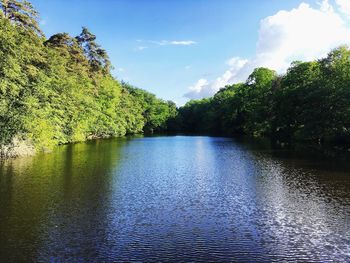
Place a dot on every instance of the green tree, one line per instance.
(21, 13)
(60, 90)
(98, 58)
(258, 100)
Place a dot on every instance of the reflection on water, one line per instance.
(173, 199)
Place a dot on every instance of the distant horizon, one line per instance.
(181, 50)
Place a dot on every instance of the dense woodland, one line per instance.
(311, 102)
(60, 89)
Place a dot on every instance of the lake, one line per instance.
(174, 198)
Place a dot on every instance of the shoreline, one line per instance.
(24, 148)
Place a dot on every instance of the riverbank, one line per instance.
(21, 148)
(18, 148)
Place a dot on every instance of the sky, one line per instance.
(189, 49)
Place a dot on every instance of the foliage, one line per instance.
(155, 113)
(60, 90)
(97, 57)
(21, 13)
(311, 102)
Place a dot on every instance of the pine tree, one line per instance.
(98, 58)
(21, 13)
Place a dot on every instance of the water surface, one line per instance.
(174, 199)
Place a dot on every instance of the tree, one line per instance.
(335, 79)
(21, 13)
(156, 112)
(98, 58)
(60, 40)
(51, 92)
(68, 46)
(257, 99)
(21, 66)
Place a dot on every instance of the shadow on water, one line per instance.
(175, 198)
(48, 198)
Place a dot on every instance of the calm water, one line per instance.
(173, 199)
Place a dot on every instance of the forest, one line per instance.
(309, 103)
(60, 89)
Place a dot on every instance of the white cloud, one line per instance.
(199, 90)
(169, 42)
(140, 48)
(150, 43)
(204, 88)
(179, 43)
(344, 6)
(303, 33)
(173, 42)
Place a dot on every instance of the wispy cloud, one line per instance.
(344, 6)
(175, 42)
(140, 48)
(165, 43)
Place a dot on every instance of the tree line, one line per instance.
(311, 102)
(60, 89)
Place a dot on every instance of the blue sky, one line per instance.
(170, 47)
